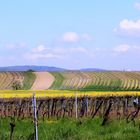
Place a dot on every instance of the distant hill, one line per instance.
(43, 68)
(32, 67)
(92, 69)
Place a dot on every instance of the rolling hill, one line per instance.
(72, 80)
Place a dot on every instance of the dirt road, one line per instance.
(43, 81)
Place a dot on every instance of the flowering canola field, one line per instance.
(62, 93)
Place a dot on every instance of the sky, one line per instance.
(71, 34)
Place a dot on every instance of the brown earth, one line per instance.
(43, 81)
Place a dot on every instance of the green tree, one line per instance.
(17, 85)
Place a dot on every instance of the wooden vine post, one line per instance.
(35, 117)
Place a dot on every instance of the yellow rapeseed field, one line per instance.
(62, 93)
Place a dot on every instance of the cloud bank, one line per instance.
(75, 37)
(129, 28)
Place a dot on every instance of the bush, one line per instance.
(17, 85)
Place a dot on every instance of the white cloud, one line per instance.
(42, 52)
(70, 37)
(137, 5)
(75, 37)
(128, 28)
(126, 48)
(122, 48)
(40, 48)
(130, 24)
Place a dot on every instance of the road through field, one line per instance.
(43, 81)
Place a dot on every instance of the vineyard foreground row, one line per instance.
(62, 93)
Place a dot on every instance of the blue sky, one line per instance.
(70, 34)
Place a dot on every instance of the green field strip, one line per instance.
(58, 80)
(29, 78)
(115, 81)
(122, 78)
(65, 82)
(68, 82)
(67, 79)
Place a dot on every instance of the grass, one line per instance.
(58, 80)
(29, 78)
(71, 129)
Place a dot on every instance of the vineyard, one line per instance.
(75, 80)
(78, 105)
(62, 118)
(115, 107)
(102, 81)
(7, 79)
